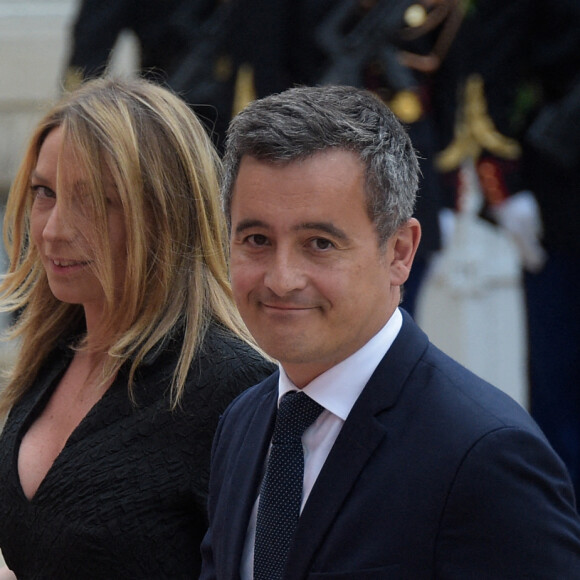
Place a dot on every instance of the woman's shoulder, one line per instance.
(220, 338)
(222, 348)
(224, 367)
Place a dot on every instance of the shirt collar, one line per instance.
(338, 388)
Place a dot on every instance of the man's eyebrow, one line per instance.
(250, 223)
(325, 227)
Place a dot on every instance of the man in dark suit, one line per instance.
(415, 468)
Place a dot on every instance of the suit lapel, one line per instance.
(247, 473)
(360, 435)
(347, 459)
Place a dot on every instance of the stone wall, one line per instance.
(33, 47)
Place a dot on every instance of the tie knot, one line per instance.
(296, 412)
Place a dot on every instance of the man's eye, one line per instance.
(321, 244)
(257, 240)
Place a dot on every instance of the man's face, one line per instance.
(308, 275)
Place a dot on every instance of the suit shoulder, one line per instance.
(464, 399)
(239, 415)
(250, 398)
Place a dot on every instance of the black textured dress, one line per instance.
(126, 496)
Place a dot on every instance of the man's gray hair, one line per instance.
(300, 122)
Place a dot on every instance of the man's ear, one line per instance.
(405, 243)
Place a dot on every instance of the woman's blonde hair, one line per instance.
(166, 173)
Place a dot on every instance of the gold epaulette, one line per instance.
(73, 78)
(475, 131)
(245, 90)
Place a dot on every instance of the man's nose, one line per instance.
(285, 273)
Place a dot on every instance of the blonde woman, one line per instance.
(131, 346)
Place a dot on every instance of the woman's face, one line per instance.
(65, 237)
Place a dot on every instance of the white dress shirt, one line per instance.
(337, 390)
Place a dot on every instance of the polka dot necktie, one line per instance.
(281, 490)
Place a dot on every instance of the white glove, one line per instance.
(520, 216)
(6, 574)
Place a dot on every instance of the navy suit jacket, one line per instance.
(435, 474)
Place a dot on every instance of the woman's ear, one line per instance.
(405, 243)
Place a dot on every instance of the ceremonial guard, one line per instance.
(517, 67)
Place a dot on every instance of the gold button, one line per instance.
(415, 16)
(407, 106)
